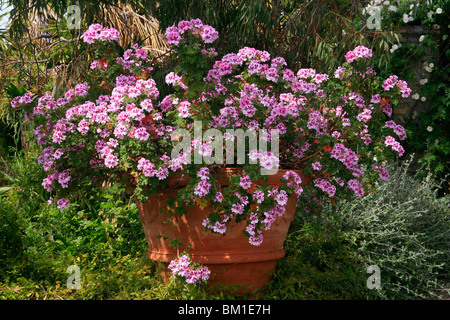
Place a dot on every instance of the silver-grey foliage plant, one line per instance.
(404, 228)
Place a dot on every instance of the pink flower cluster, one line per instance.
(325, 186)
(132, 57)
(63, 204)
(348, 157)
(393, 81)
(27, 98)
(92, 119)
(395, 145)
(175, 34)
(175, 80)
(267, 159)
(383, 173)
(398, 129)
(258, 220)
(251, 91)
(97, 32)
(294, 180)
(356, 187)
(360, 52)
(183, 267)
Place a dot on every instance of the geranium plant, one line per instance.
(329, 126)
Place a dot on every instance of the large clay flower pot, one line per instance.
(230, 257)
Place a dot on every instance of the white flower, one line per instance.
(405, 18)
(429, 67)
(423, 81)
(429, 128)
(422, 37)
(392, 8)
(394, 47)
(415, 96)
(438, 10)
(430, 14)
(423, 99)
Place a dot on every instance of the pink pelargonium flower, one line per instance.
(325, 186)
(47, 183)
(141, 134)
(383, 173)
(25, 99)
(173, 36)
(316, 166)
(360, 52)
(97, 32)
(203, 173)
(237, 208)
(395, 145)
(256, 240)
(282, 198)
(218, 197)
(184, 25)
(162, 173)
(182, 267)
(258, 195)
(350, 56)
(183, 109)
(306, 73)
(208, 34)
(111, 161)
(272, 74)
(63, 203)
(141, 54)
(356, 187)
(202, 188)
(245, 182)
(63, 179)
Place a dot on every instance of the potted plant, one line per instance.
(228, 203)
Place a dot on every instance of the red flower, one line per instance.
(103, 63)
(327, 148)
(384, 101)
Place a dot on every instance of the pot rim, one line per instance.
(221, 258)
(180, 179)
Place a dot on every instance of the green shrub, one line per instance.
(402, 227)
(11, 232)
(318, 265)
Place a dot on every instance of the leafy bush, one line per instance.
(426, 127)
(403, 227)
(318, 265)
(11, 232)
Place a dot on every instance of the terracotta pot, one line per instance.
(230, 257)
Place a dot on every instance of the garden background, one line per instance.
(402, 226)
